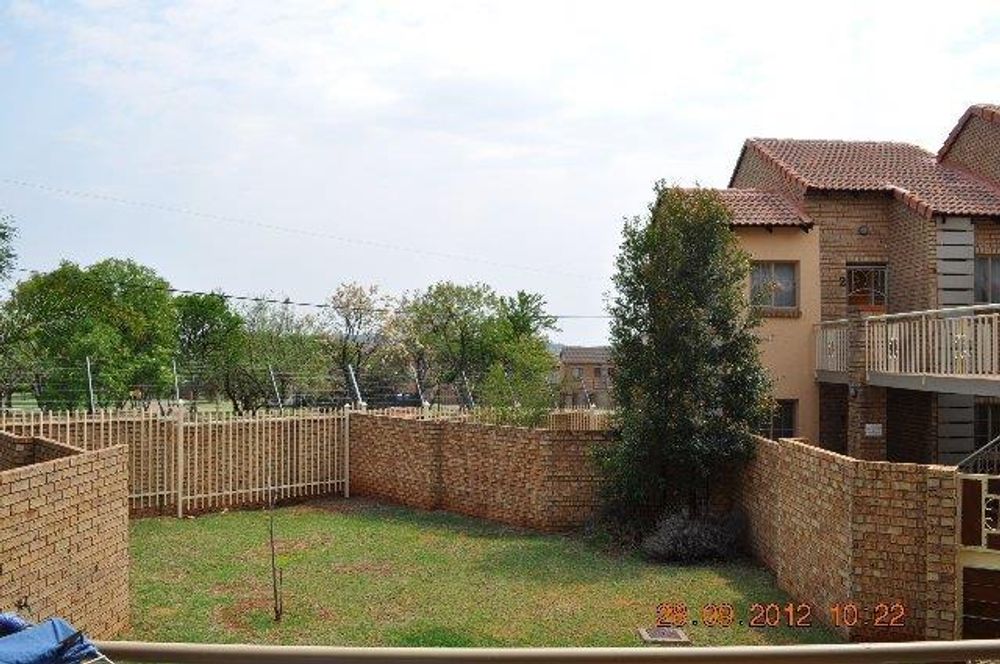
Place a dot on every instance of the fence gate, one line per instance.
(979, 555)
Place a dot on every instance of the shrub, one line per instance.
(679, 537)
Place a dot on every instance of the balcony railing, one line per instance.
(953, 342)
(860, 653)
(832, 345)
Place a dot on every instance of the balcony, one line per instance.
(954, 350)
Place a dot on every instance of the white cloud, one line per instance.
(474, 125)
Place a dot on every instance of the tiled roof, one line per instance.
(585, 355)
(988, 112)
(752, 207)
(912, 174)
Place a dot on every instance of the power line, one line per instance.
(245, 221)
(294, 303)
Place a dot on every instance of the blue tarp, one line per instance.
(51, 642)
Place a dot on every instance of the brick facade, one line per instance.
(64, 535)
(753, 171)
(975, 148)
(988, 238)
(836, 529)
(912, 262)
(534, 478)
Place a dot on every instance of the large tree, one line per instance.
(688, 381)
(356, 327)
(280, 351)
(210, 334)
(117, 313)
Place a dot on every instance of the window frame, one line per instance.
(882, 268)
(775, 427)
(991, 420)
(992, 261)
(770, 306)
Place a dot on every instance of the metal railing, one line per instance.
(872, 653)
(957, 341)
(833, 345)
(984, 461)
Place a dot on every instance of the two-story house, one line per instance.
(585, 376)
(870, 256)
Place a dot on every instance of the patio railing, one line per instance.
(872, 653)
(958, 341)
(833, 345)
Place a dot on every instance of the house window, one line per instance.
(773, 285)
(987, 285)
(782, 424)
(597, 373)
(866, 284)
(987, 422)
(578, 372)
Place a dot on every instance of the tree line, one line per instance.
(464, 343)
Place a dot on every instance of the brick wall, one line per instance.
(17, 451)
(64, 538)
(912, 261)
(753, 171)
(976, 147)
(836, 529)
(838, 217)
(534, 478)
(987, 238)
(911, 426)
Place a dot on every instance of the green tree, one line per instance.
(449, 322)
(117, 313)
(210, 335)
(8, 257)
(356, 327)
(519, 382)
(279, 348)
(688, 382)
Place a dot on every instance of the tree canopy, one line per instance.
(688, 382)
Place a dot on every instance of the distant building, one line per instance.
(585, 374)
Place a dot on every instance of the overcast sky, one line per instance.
(510, 137)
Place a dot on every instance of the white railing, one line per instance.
(958, 341)
(857, 653)
(833, 345)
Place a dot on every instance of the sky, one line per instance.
(284, 148)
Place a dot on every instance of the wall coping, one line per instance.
(795, 442)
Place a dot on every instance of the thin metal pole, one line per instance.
(347, 451)
(274, 384)
(468, 392)
(179, 458)
(354, 383)
(90, 385)
(177, 385)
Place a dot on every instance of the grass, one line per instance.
(358, 573)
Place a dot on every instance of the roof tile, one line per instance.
(911, 173)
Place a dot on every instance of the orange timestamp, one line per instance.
(773, 614)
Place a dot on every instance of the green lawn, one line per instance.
(357, 573)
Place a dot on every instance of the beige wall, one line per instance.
(788, 344)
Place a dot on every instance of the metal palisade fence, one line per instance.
(209, 461)
(184, 462)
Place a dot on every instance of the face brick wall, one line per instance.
(64, 538)
(755, 172)
(987, 238)
(835, 529)
(838, 216)
(912, 261)
(533, 478)
(976, 148)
